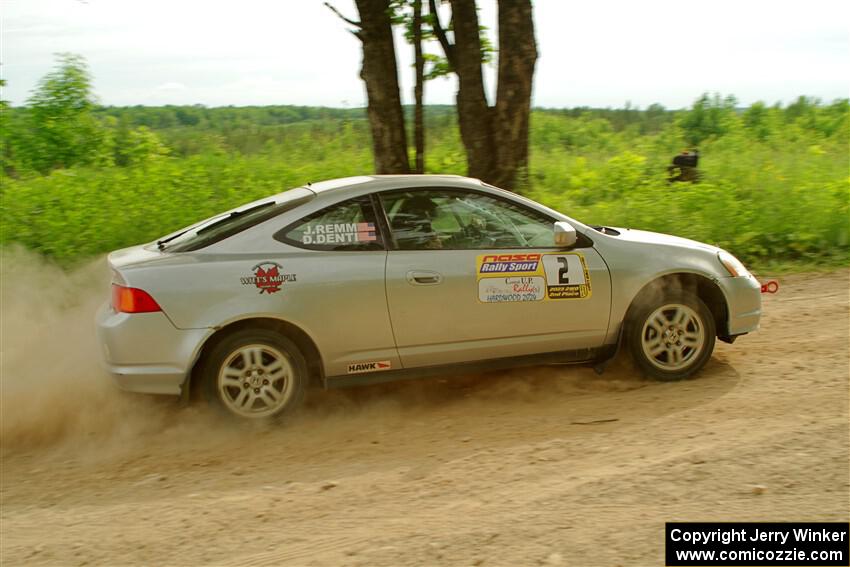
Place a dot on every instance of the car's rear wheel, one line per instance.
(671, 337)
(255, 374)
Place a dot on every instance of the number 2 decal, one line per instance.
(563, 278)
(566, 276)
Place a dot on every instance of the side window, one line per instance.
(350, 225)
(456, 220)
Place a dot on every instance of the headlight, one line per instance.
(732, 265)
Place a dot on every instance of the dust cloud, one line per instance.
(55, 393)
(472, 393)
(52, 385)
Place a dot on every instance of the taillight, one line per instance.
(132, 300)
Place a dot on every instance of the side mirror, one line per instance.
(565, 235)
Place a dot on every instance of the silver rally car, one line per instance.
(377, 278)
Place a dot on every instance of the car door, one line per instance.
(341, 300)
(473, 276)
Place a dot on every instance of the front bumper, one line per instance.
(743, 299)
(145, 352)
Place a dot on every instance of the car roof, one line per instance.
(388, 181)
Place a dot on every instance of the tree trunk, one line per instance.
(474, 115)
(517, 57)
(418, 118)
(380, 73)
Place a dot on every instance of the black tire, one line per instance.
(228, 363)
(682, 353)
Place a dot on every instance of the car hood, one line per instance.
(656, 238)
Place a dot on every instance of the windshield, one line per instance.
(227, 224)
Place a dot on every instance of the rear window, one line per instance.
(224, 226)
(348, 226)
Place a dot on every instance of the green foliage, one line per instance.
(138, 146)
(436, 64)
(60, 127)
(73, 214)
(6, 162)
(774, 187)
(710, 117)
(786, 197)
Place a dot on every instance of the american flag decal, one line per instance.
(366, 232)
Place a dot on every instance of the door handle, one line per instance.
(416, 277)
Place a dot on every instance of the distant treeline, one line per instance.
(226, 118)
(192, 129)
(54, 133)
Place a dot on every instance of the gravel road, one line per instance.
(539, 466)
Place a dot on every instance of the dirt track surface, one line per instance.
(542, 466)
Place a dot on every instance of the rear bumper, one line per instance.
(743, 299)
(145, 352)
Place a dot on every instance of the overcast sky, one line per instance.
(594, 53)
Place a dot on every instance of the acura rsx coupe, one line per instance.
(377, 278)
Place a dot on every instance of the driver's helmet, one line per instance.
(420, 207)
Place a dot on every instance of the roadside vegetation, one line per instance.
(79, 179)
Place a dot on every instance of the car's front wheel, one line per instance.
(671, 337)
(255, 374)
